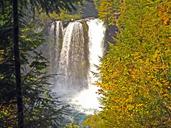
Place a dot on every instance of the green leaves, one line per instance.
(41, 109)
(49, 6)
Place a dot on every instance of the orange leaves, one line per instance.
(133, 73)
(163, 12)
(105, 86)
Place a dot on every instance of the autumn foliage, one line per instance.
(136, 72)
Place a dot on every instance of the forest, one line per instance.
(85, 64)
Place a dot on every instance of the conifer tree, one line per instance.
(40, 108)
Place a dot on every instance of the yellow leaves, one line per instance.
(8, 114)
(105, 86)
(134, 73)
(136, 55)
(127, 107)
(163, 12)
(1, 56)
(106, 11)
(119, 108)
(118, 100)
(122, 100)
(156, 55)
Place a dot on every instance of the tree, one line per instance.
(17, 64)
(108, 10)
(7, 104)
(135, 73)
(47, 6)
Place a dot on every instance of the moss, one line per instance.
(63, 16)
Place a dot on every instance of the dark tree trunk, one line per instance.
(17, 64)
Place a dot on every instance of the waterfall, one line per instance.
(73, 64)
(88, 98)
(75, 55)
(96, 46)
(55, 44)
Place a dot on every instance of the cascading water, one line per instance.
(73, 63)
(55, 39)
(88, 98)
(82, 47)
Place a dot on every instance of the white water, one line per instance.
(56, 34)
(88, 98)
(80, 52)
(73, 63)
(96, 46)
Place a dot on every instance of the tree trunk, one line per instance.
(17, 64)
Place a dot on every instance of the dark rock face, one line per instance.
(89, 9)
(86, 10)
(111, 32)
